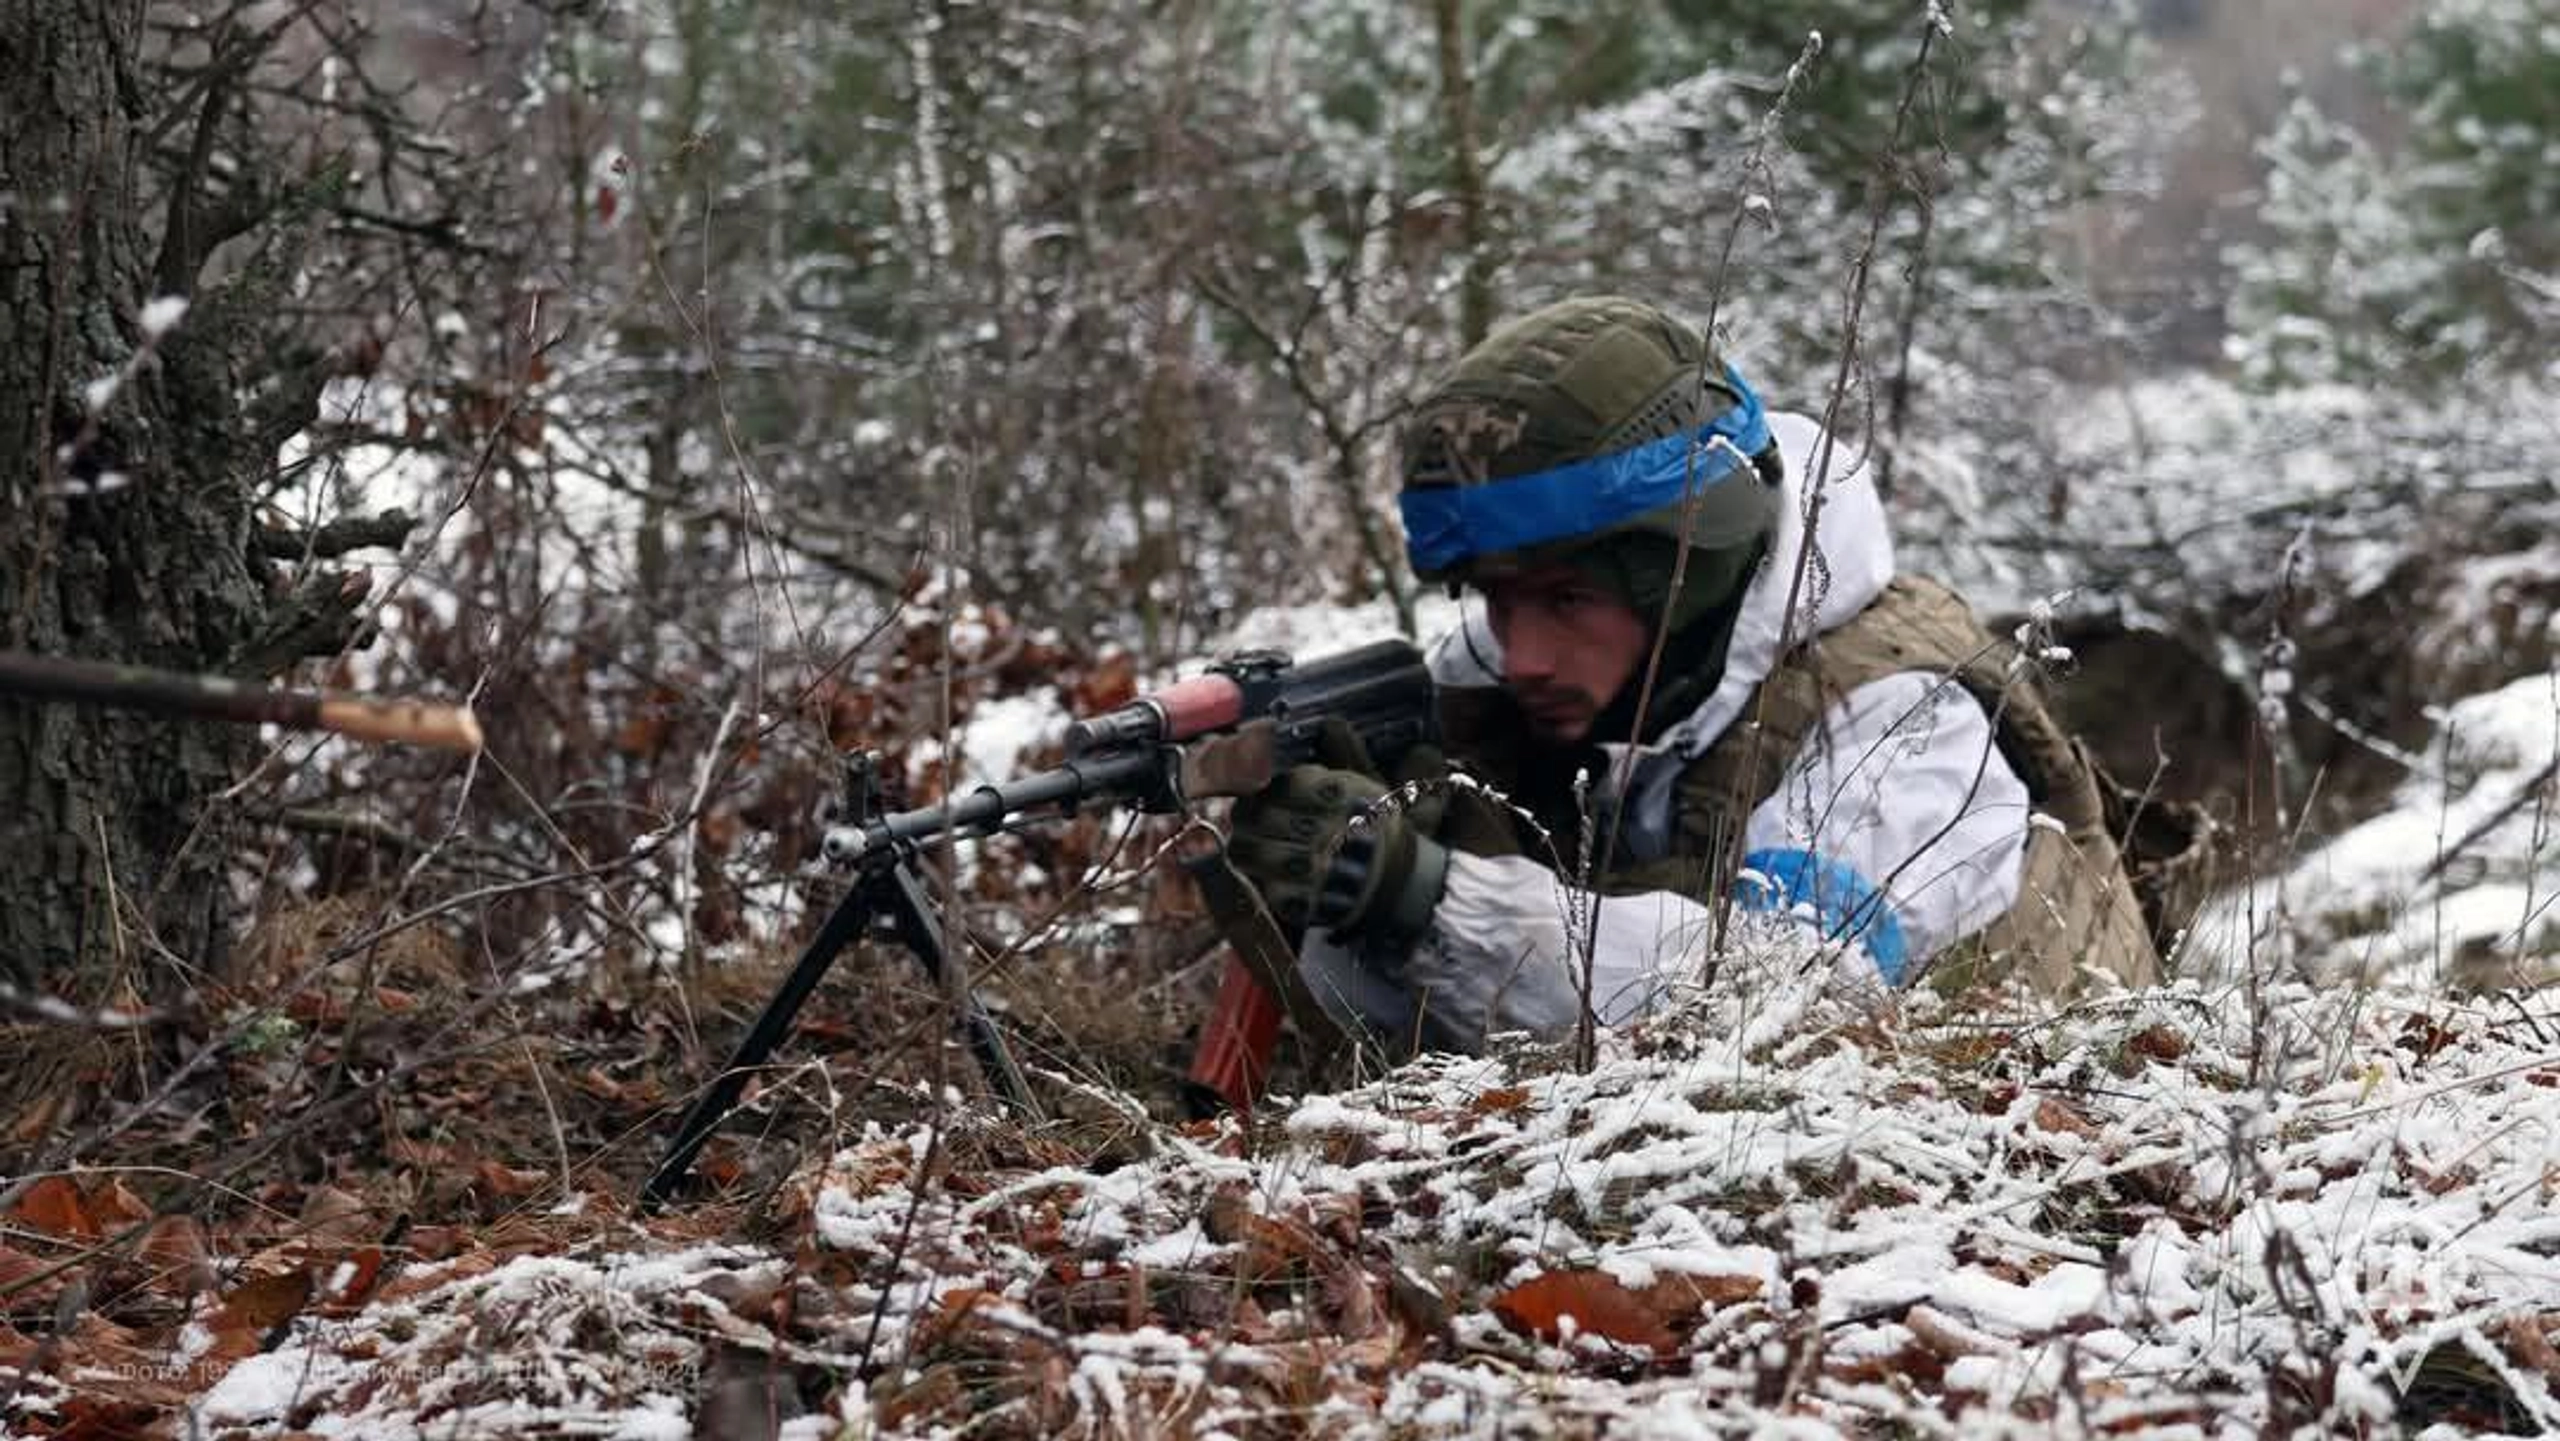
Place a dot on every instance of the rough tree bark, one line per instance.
(125, 528)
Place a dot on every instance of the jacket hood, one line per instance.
(1849, 565)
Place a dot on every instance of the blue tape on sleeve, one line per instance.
(1844, 902)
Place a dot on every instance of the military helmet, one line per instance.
(1582, 432)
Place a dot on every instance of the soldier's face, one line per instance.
(1567, 647)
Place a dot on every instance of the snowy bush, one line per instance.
(2426, 259)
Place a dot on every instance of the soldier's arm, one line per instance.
(1900, 825)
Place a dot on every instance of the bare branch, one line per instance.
(336, 538)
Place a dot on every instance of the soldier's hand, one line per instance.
(1324, 852)
(1421, 773)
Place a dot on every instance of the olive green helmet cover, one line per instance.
(1581, 380)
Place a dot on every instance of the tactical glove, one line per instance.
(1323, 851)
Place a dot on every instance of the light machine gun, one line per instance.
(1224, 733)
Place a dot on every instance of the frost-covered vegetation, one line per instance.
(2158, 1215)
(2437, 255)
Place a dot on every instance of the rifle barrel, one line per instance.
(983, 810)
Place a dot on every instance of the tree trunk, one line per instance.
(124, 526)
(1466, 169)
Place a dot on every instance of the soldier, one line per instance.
(1800, 729)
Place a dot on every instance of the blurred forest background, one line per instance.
(704, 388)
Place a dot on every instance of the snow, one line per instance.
(1954, 1220)
(2454, 881)
(1899, 1276)
(1320, 629)
(2037, 1205)
(160, 315)
(998, 733)
(2052, 1299)
(2185, 487)
(267, 1386)
(503, 1352)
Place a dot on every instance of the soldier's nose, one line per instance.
(1528, 653)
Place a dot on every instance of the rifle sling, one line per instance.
(1249, 926)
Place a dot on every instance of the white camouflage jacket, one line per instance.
(1902, 807)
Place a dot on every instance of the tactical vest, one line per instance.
(2076, 905)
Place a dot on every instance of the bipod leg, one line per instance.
(912, 913)
(852, 917)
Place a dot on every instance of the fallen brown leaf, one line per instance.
(1912, 1363)
(1044, 1231)
(2196, 1419)
(56, 1207)
(352, 1279)
(263, 1303)
(334, 1217)
(98, 1349)
(252, 1312)
(1967, 1053)
(2528, 1344)
(1222, 1219)
(721, 1168)
(2058, 1115)
(2157, 1042)
(316, 1008)
(1357, 1302)
(115, 1205)
(418, 1280)
(507, 1182)
(952, 1311)
(938, 1387)
(1276, 1249)
(18, 1269)
(1676, 1297)
(1945, 1335)
(177, 1256)
(1336, 1216)
(1597, 1303)
(436, 1243)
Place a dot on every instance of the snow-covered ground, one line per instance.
(1773, 1212)
(2455, 883)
